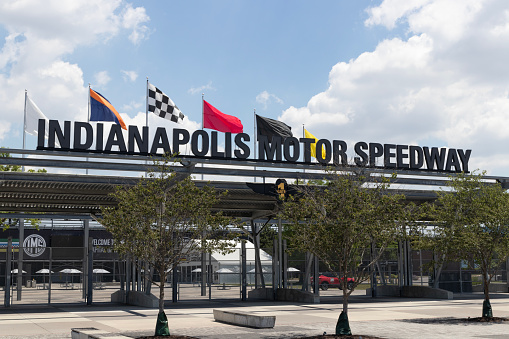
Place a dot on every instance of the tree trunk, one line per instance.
(487, 311)
(437, 271)
(162, 275)
(162, 328)
(345, 298)
(486, 286)
(343, 325)
(307, 272)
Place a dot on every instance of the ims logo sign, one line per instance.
(34, 245)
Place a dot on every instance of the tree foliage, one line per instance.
(6, 223)
(340, 221)
(472, 224)
(164, 218)
(17, 168)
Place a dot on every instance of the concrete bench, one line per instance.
(94, 333)
(244, 319)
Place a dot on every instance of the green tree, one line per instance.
(8, 168)
(267, 238)
(162, 219)
(315, 182)
(6, 223)
(473, 218)
(16, 168)
(339, 223)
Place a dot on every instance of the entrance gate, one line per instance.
(77, 200)
(58, 274)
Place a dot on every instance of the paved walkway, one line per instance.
(384, 317)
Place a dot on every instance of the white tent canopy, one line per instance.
(233, 257)
(264, 270)
(70, 271)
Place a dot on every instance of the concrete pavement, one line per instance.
(383, 317)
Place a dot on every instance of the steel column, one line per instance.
(90, 270)
(19, 279)
(8, 267)
(243, 277)
(86, 234)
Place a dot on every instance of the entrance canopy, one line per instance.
(250, 183)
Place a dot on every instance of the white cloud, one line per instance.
(390, 11)
(102, 78)
(503, 28)
(200, 89)
(444, 85)
(132, 105)
(266, 98)
(154, 120)
(133, 18)
(11, 50)
(4, 128)
(129, 75)
(40, 35)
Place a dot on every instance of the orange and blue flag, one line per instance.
(102, 110)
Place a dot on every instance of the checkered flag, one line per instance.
(161, 105)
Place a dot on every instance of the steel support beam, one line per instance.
(19, 280)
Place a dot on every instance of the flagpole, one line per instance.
(146, 106)
(146, 124)
(202, 120)
(202, 111)
(88, 116)
(255, 136)
(24, 127)
(304, 135)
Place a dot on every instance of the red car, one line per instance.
(329, 279)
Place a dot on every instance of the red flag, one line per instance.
(215, 119)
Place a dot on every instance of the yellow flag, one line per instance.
(313, 145)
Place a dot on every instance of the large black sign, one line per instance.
(66, 245)
(80, 136)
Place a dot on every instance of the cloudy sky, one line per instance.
(425, 72)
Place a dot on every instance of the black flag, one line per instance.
(271, 127)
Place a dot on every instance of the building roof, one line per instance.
(81, 195)
(47, 194)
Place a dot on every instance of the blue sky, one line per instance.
(234, 49)
(424, 72)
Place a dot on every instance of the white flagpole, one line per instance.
(202, 111)
(24, 127)
(146, 124)
(88, 116)
(304, 135)
(146, 106)
(202, 120)
(255, 137)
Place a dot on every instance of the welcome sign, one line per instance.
(81, 137)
